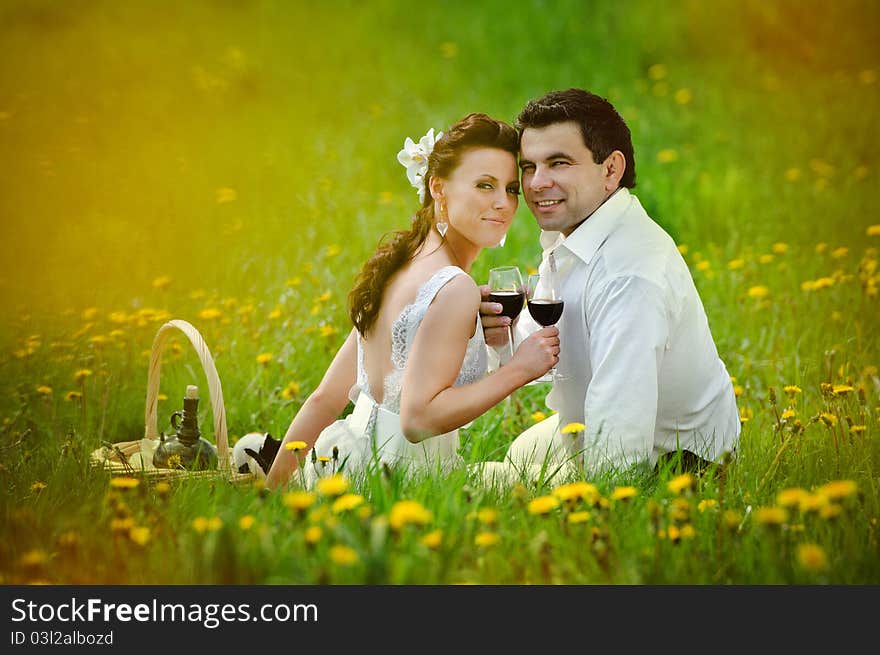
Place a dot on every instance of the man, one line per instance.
(638, 363)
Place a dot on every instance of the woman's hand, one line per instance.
(538, 353)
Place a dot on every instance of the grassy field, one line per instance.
(233, 163)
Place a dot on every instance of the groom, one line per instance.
(638, 364)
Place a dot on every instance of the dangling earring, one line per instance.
(442, 225)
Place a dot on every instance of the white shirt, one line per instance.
(643, 373)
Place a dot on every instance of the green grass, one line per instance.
(753, 125)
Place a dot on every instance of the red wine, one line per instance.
(511, 302)
(546, 312)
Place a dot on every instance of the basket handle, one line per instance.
(214, 389)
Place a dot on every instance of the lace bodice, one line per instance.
(403, 333)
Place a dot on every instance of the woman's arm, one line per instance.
(322, 407)
(429, 403)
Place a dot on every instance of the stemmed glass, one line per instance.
(506, 288)
(545, 304)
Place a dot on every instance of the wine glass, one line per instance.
(545, 304)
(506, 288)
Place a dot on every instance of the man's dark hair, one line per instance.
(602, 128)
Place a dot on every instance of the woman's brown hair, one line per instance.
(397, 248)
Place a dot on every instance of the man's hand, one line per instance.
(494, 326)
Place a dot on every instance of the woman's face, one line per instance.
(481, 195)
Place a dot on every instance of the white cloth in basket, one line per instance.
(371, 435)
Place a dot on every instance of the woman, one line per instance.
(415, 362)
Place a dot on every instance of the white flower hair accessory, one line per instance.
(414, 157)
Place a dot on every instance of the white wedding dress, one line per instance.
(371, 435)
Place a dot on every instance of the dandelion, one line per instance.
(346, 502)
(386, 198)
(780, 248)
(683, 96)
(873, 231)
(139, 535)
(771, 515)
(328, 330)
(828, 419)
(543, 505)
(295, 446)
(486, 539)
(681, 483)
(839, 253)
(44, 390)
(624, 493)
(214, 523)
(687, 531)
(573, 428)
(537, 417)
(657, 72)
(298, 500)
(736, 264)
(830, 511)
(433, 539)
(746, 414)
(790, 497)
(766, 259)
(758, 292)
(246, 522)
(200, 524)
(703, 266)
(812, 502)
(333, 250)
(791, 390)
(857, 429)
(578, 517)
(705, 504)
(667, 156)
(838, 489)
(487, 516)
(38, 486)
(210, 313)
(343, 555)
(737, 390)
(161, 282)
(793, 174)
(34, 559)
(576, 491)
(405, 512)
(81, 375)
(162, 488)
(313, 534)
(841, 389)
(788, 414)
(732, 519)
(290, 391)
(812, 558)
(334, 485)
(124, 482)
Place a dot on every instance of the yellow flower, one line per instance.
(578, 517)
(624, 493)
(44, 390)
(433, 539)
(487, 515)
(162, 488)
(200, 524)
(343, 555)
(537, 417)
(857, 429)
(161, 282)
(82, 374)
(124, 482)
(766, 259)
(771, 515)
(703, 266)
(404, 512)
(313, 534)
(295, 446)
(830, 511)
(839, 253)
(667, 156)
(486, 539)
(790, 497)
(210, 313)
(758, 292)
(837, 489)
(577, 491)
(828, 419)
(705, 504)
(346, 502)
(788, 413)
(328, 330)
(543, 505)
(139, 535)
(793, 174)
(780, 248)
(290, 391)
(246, 522)
(333, 250)
(737, 390)
(276, 313)
(681, 483)
(657, 72)
(745, 415)
(683, 96)
(791, 390)
(841, 389)
(34, 558)
(812, 502)
(873, 231)
(214, 523)
(573, 428)
(687, 531)
(264, 358)
(298, 500)
(735, 264)
(38, 486)
(334, 485)
(812, 557)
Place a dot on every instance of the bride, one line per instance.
(415, 362)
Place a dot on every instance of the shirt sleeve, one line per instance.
(628, 327)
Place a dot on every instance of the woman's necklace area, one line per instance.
(448, 244)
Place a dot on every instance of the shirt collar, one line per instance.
(589, 235)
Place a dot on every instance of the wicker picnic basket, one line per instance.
(136, 457)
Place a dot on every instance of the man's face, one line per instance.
(561, 183)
